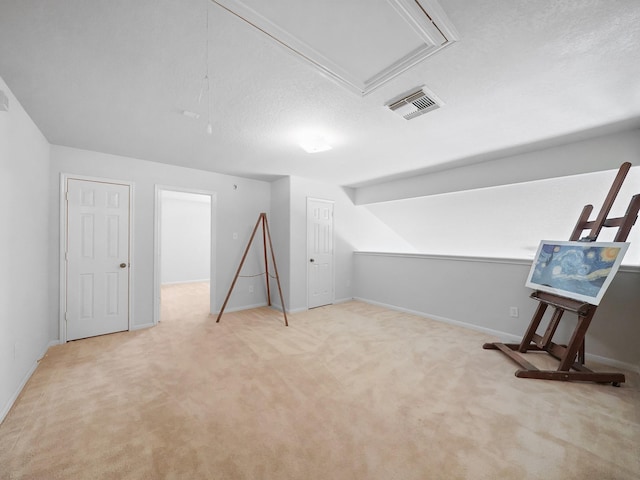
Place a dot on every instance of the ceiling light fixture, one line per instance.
(190, 114)
(314, 144)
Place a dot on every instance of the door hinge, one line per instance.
(66, 316)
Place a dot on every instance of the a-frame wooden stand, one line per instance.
(266, 235)
(571, 356)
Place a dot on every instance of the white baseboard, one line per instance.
(304, 309)
(298, 310)
(275, 306)
(5, 410)
(141, 327)
(14, 397)
(244, 307)
(185, 281)
(342, 300)
(612, 362)
(503, 336)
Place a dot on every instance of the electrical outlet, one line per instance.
(513, 312)
(250, 288)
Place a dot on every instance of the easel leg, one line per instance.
(533, 326)
(266, 262)
(576, 341)
(244, 257)
(275, 270)
(551, 328)
(265, 235)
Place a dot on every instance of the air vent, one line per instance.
(415, 104)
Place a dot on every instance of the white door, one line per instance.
(319, 252)
(97, 257)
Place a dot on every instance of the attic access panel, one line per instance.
(361, 44)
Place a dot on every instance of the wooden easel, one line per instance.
(571, 356)
(262, 220)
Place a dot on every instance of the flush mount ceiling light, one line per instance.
(190, 114)
(314, 144)
(360, 44)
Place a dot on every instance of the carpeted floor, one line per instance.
(349, 391)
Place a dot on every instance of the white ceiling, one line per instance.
(115, 75)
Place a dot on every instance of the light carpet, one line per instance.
(349, 391)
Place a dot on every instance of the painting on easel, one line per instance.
(578, 270)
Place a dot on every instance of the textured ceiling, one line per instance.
(114, 76)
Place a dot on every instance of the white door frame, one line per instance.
(333, 252)
(64, 177)
(156, 246)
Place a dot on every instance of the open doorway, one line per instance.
(184, 253)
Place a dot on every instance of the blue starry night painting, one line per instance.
(578, 270)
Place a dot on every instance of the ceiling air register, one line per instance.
(415, 104)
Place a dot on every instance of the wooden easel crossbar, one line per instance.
(266, 236)
(572, 355)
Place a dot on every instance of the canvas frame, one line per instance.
(572, 278)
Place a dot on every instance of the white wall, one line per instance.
(24, 239)
(478, 292)
(504, 221)
(280, 229)
(29, 245)
(345, 234)
(479, 211)
(237, 212)
(185, 237)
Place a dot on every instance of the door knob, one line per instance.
(123, 265)
(312, 260)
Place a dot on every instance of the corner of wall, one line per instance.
(24, 282)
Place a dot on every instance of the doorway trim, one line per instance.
(156, 245)
(333, 240)
(62, 302)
